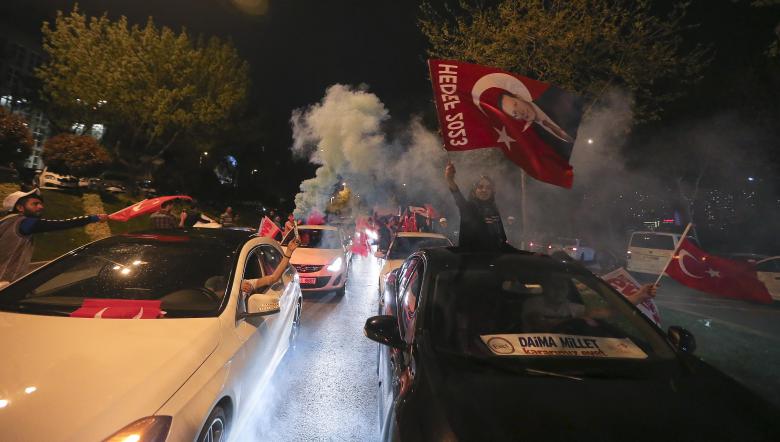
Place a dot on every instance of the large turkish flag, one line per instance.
(533, 123)
(143, 207)
(718, 276)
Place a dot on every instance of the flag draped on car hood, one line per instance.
(533, 123)
(717, 276)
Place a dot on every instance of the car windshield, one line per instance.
(522, 312)
(403, 246)
(190, 278)
(652, 241)
(318, 239)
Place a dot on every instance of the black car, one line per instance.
(516, 346)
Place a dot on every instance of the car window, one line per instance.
(190, 278)
(253, 268)
(316, 239)
(409, 297)
(549, 307)
(773, 265)
(652, 241)
(404, 246)
(270, 258)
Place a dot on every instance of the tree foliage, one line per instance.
(149, 85)
(15, 137)
(77, 154)
(586, 46)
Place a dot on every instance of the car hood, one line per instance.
(483, 404)
(315, 256)
(83, 379)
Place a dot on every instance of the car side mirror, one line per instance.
(261, 304)
(384, 330)
(681, 339)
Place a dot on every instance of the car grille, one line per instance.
(307, 268)
(322, 281)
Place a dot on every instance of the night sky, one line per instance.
(300, 47)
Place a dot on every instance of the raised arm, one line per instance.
(449, 175)
(249, 286)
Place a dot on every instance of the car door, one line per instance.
(395, 370)
(270, 259)
(768, 272)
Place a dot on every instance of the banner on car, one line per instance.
(559, 345)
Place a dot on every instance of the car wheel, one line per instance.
(216, 427)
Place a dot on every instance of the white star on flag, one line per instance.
(713, 273)
(504, 137)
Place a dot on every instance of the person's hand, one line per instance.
(292, 245)
(102, 217)
(449, 171)
(647, 291)
(246, 287)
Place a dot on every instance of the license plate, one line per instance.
(308, 280)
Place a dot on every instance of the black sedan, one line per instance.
(517, 346)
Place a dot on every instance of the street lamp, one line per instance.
(590, 140)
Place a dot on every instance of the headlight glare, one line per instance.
(147, 429)
(335, 266)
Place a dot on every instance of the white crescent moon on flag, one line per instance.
(681, 261)
(502, 81)
(99, 314)
(137, 206)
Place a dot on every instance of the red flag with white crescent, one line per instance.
(268, 228)
(533, 123)
(717, 276)
(143, 207)
(119, 309)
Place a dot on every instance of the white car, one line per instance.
(768, 271)
(403, 245)
(322, 260)
(51, 180)
(573, 247)
(74, 371)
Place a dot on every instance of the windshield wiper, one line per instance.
(551, 374)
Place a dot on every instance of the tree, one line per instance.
(77, 154)
(149, 86)
(586, 46)
(15, 137)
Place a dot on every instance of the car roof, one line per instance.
(420, 235)
(317, 227)
(226, 237)
(457, 258)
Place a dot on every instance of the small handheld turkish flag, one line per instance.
(533, 123)
(717, 276)
(143, 207)
(268, 228)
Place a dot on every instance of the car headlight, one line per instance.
(148, 429)
(335, 266)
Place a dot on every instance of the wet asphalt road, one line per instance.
(325, 388)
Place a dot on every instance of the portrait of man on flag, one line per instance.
(535, 124)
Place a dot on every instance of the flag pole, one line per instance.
(674, 252)
(523, 219)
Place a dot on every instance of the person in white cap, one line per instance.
(18, 226)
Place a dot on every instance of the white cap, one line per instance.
(10, 201)
(443, 220)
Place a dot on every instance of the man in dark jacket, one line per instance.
(20, 224)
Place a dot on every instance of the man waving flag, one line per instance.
(533, 123)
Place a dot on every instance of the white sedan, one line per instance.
(768, 271)
(322, 259)
(144, 337)
(403, 245)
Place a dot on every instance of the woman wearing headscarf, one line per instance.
(480, 222)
